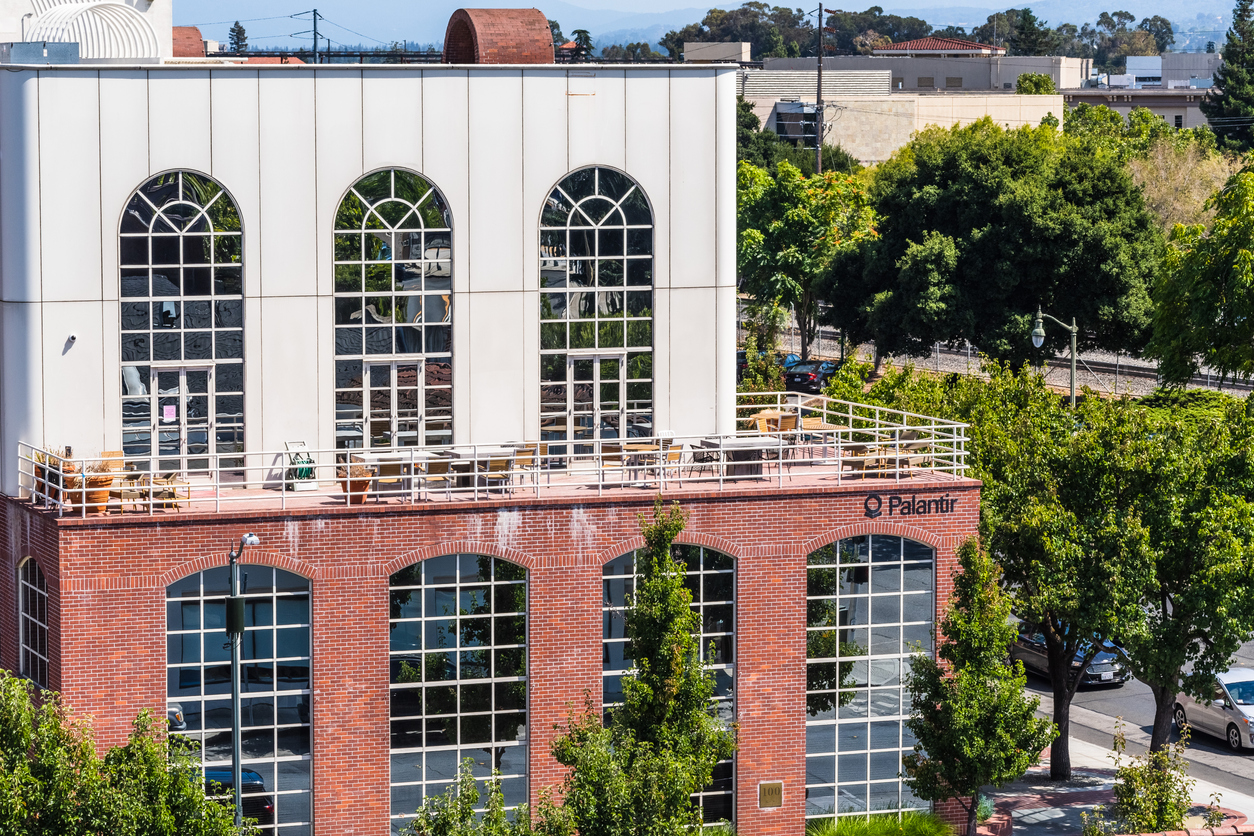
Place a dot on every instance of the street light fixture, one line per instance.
(235, 632)
(1038, 339)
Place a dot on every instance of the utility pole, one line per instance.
(818, 105)
(315, 35)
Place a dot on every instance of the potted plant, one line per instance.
(57, 471)
(355, 480)
(99, 479)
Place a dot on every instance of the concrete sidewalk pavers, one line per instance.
(1037, 806)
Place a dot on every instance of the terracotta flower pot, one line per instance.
(97, 491)
(355, 489)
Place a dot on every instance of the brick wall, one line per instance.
(108, 577)
(498, 36)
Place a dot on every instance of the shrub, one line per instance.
(888, 824)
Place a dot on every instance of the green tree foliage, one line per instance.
(1159, 28)
(635, 53)
(790, 229)
(636, 776)
(1035, 84)
(555, 29)
(582, 39)
(52, 782)
(1204, 298)
(1198, 605)
(980, 224)
(998, 29)
(239, 38)
(973, 723)
(854, 32)
(457, 813)
(766, 149)
(771, 31)
(1229, 105)
(1032, 37)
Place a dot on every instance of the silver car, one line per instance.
(1229, 715)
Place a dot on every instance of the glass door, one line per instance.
(182, 420)
(596, 405)
(394, 417)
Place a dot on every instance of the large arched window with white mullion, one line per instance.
(393, 313)
(182, 325)
(596, 309)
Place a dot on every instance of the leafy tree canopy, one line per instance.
(238, 38)
(982, 224)
(1032, 37)
(766, 149)
(1229, 105)
(637, 52)
(52, 782)
(1034, 84)
(859, 32)
(1131, 137)
(790, 228)
(973, 723)
(771, 31)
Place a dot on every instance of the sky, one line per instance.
(285, 24)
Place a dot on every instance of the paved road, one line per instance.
(1093, 713)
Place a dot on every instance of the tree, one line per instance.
(239, 38)
(1198, 605)
(52, 782)
(1034, 84)
(1160, 28)
(1178, 177)
(637, 52)
(999, 29)
(1229, 105)
(790, 229)
(980, 225)
(973, 723)
(1204, 298)
(455, 814)
(771, 31)
(637, 775)
(583, 40)
(555, 29)
(1032, 36)
(852, 32)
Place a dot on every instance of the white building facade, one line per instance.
(241, 257)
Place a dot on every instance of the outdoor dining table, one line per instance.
(826, 431)
(471, 457)
(637, 455)
(410, 459)
(741, 455)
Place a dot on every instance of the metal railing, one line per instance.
(780, 437)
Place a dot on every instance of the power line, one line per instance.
(249, 20)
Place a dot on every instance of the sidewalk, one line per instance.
(1036, 806)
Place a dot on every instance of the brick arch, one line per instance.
(459, 547)
(687, 538)
(498, 36)
(910, 532)
(253, 556)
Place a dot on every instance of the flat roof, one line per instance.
(176, 66)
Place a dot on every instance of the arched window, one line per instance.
(870, 605)
(596, 309)
(274, 676)
(182, 323)
(458, 659)
(711, 578)
(32, 596)
(393, 313)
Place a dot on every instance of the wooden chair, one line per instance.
(858, 456)
(391, 473)
(166, 490)
(612, 458)
(498, 472)
(437, 473)
(671, 458)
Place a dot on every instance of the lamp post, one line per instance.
(234, 633)
(1038, 339)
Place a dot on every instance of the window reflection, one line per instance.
(393, 299)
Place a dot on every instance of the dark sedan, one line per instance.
(1106, 668)
(784, 361)
(810, 376)
(257, 803)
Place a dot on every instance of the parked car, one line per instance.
(256, 803)
(1229, 715)
(1106, 668)
(784, 361)
(174, 714)
(810, 376)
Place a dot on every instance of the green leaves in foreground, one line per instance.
(973, 723)
(52, 782)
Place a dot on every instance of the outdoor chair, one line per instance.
(671, 458)
(171, 489)
(391, 473)
(612, 458)
(498, 472)
(437, 473)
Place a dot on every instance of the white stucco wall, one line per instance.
(287, 142)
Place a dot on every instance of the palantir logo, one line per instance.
(872, 505)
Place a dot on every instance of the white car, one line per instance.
(1230, 714)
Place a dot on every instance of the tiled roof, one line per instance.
(188, 43)
(938, 45)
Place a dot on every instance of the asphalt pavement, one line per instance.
(1094, 712)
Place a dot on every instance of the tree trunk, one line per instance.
(804, 326)
(1060, 749)
(1164, 705)
(972, 824)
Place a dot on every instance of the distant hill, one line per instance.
(608, 21)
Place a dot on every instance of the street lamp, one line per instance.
(235, 632)
(1038, 339)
